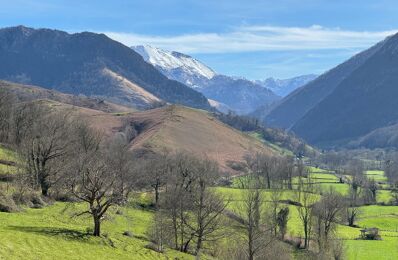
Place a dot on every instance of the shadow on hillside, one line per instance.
(51, 231)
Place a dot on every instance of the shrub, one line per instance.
(154, 247)
(32, 200)
(7, 204)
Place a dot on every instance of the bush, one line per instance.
(7, 204)
(154, 247)
(65, 197)
(32, 200)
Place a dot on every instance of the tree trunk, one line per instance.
(156, 195)
(305, 235)
(44, 191)
(289, 183)
(97, 226)
(268, 181)
(44, 188)
(199, 245)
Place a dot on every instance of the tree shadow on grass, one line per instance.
(51, 231)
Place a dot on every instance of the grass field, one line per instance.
(378, 176)
(383, 217)
(53, 233)
(7, 155)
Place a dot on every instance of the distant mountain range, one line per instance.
(347, 104)
(226, 93)
(283, 87)
(88, 64)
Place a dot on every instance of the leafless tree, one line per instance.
(275, 198)
(256, 231)
(370, 188)
(327, 212)
(306, 197)
(96, 184)
(45, 149)
(157, 169)
(193, 210)
(391, 169)
(176, 201)
(98, 174)
(207, 206)
(6, 109)
(122, 163)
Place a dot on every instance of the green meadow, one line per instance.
(55, 232)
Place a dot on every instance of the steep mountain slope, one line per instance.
(90, 64)
(293, 107)
(175, 65)
(240, 95)
(350, 101)
(364, 101)
(283, 87)
(384, 137)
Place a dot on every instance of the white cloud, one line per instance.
(259, 38)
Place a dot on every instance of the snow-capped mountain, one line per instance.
(236, 93)
(175, 65)
(283, 87)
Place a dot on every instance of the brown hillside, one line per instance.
(172, 127)
(181, 128)
(29, 93)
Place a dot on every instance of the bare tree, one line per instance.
(274, 208)
(256, 233)
(6, 110)
(193, 210)
(98, 174)
(307, 199)
(370, 191)
(157, 169)
(176, 200)
(207, 206)
(45, 149)
(120, 160)
(327, 212)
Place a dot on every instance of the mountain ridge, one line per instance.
(79, 64)
(295, 105)
(347, 103)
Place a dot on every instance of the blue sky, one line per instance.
(255, 39)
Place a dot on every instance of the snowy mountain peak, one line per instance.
(172, 61)
(283, 87)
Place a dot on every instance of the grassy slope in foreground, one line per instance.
(53, 233)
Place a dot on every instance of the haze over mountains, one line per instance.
(90, 64)
(227, 93)
(349, 101)
(283, 87)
